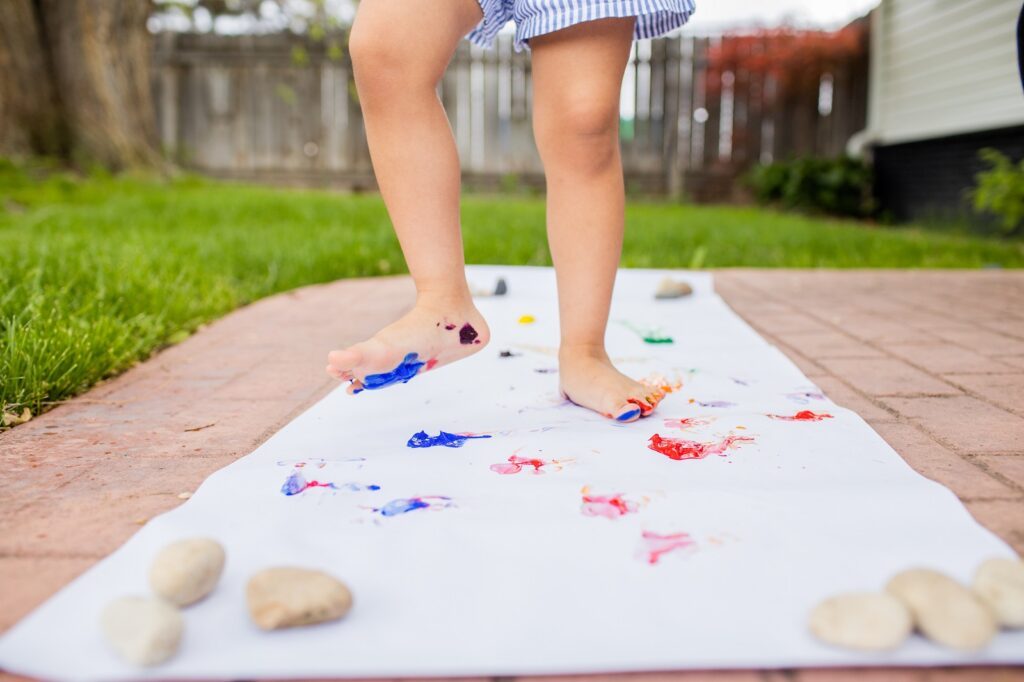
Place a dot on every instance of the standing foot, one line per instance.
(589, 380)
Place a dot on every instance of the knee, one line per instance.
(581, 135)
(382, 67)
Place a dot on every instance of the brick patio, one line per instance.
(934, 361)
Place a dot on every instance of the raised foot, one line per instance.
(589, 380)
(431, 335)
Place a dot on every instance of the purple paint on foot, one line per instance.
(449, 326)
(448, 440)
(467, 334)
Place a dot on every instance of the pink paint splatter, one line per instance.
(678, 449)
(803, 416)
(515, 464)
(688, 423)
(608, 506)
(655, 545)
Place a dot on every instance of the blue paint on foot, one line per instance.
(448, 440)
(409, 367)
(626, 416)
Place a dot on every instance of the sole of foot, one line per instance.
(431, 335)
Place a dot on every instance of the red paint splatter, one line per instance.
(678, 449)
(608, 506)
(803, 416)
(431, 364)
(656, 545)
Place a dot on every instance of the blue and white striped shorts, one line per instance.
(534, 17)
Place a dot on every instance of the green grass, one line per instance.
(97, 273)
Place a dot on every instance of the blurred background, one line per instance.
(163, 162)
(891, 102)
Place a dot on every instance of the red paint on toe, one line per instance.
(645, 409)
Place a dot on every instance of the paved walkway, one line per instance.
(934, 361)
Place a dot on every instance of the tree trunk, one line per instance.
(76, 81)
(30, 119)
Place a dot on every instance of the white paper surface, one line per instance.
(510, 576)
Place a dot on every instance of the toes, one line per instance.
(627, 412)
(344, 360)
(355, 387)
(646, 405)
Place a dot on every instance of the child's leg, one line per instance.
(577, 77)
(399, 53)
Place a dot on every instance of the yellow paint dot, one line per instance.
(744, 428)
(527, 319)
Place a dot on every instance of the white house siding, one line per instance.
(943, 67)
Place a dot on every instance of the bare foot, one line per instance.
(589, 379)
(432, 334)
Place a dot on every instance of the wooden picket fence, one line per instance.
(241, 107)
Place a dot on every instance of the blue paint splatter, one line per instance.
(297, 483)
(448, 440)
(626, 416)
(406, 370)
(405, 505)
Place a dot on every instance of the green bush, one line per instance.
(1000, 190)
(839, 186)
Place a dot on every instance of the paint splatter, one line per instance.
(687, 423)
(803, 416)
(297, 483)
(449, 326)
(405, 505)
(321, 463)
(649, 334)
(508, 354)
(740, 382)
(467, 335)
(515, 464)
(679, 449)
(443, 438)
(527, 319)
(607, 506)
(804, 397)
(546, 370)
(714, 403)
(656, 545)
(662, 384)
(409, 367)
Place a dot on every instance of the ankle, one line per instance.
(576, 351)
(444, 298)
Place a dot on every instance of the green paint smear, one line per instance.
(648, 334)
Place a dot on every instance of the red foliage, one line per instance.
(796, 59)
